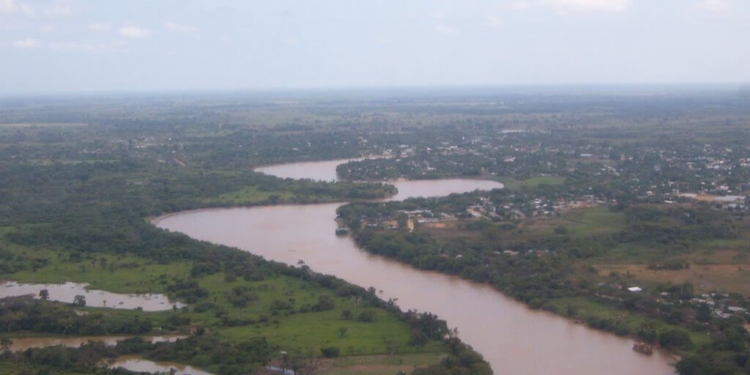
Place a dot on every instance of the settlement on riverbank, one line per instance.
(513, 338)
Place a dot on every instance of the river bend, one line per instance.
(513, 338)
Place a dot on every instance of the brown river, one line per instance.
(513, 338)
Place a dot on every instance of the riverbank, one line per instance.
(264, 231)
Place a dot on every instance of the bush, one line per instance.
(675, 339)
(330, 351)
(367, 316)
(324, 303)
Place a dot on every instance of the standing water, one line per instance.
(94, 298)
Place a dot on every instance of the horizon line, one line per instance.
(743, 86)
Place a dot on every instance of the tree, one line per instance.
(331, 351)
(704, 313)
(324, 303)
(346, 314)
(5, 343)
(391, 345)
(418, 338)
(675, 339)
(343, 331)
(367, 316)
(79, 300)
(44, 294)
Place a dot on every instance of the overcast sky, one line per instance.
(94, 45)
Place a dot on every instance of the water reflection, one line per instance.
(136, 364)
(94, 298)
(21, 344)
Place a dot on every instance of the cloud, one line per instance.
(494, 22)
(46, 28)
(7, 7)
(518, 5)
(10, 6)
(26, 43)
(77, 46)
(86, 47)
(437, 14)
(58, 11)
(99, 27)
(173, 27)
(290, 41)
(134, 32)
(445, 29)
(719, 6)
(587, 5)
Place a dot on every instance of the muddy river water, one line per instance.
(514, 339)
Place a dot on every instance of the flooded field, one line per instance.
(94, 298)
(134, 363)
(74, 342)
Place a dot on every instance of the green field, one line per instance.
(580, 222)
(291, 331)
(586, 308)
(379, 364)
(250, 195)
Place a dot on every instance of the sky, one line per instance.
(78, 46)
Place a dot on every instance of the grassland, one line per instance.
(250, 195)
(306, 332)
(715, 265)
(378, 364)
(725, 270)
(586, 308)
(9, 368)
(579, 222)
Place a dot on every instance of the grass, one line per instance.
(321, 329)
(580, 222)
(721, 271)
(586, 308)
(304, 331)
(10, 368)
(379, 364)
(142, 279)
(308, 330)
(50, 162)
(249, 195)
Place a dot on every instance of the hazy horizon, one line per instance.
(85, 46)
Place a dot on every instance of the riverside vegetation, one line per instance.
(594, 204)
(74, 205)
